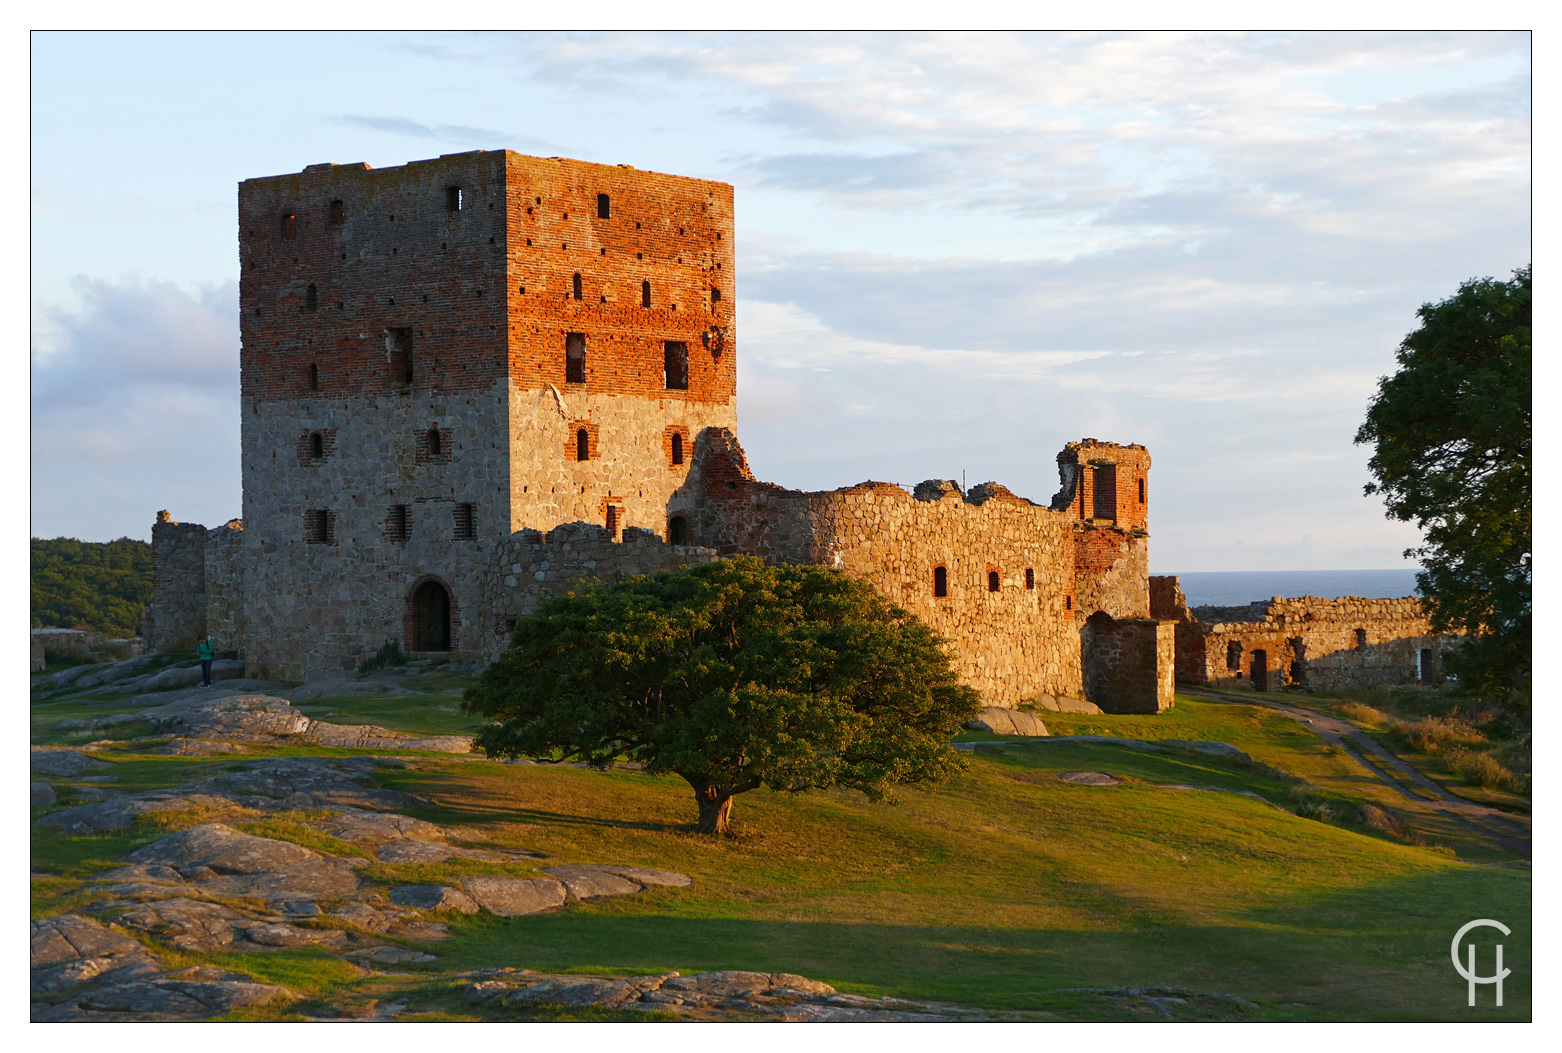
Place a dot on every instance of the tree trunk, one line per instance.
(715, 809)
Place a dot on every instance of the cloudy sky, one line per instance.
(955, 253)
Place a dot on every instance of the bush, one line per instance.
(1311, 805)
(1365, 714)
(1439, 734)
(1485, 770)
(386, 657)
(103, 587)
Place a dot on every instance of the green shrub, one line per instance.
(1365, 714)
(1439, 734)
(1485, 770)
(1311, 805)
(385, 658)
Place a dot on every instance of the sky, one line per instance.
(955, 253)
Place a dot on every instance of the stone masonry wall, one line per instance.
(529, 567)
(224, 573)
(1011, 644)
(176, 617)
(1130, 662)
(1307, 642)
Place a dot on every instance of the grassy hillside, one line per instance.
(1003, 888)
(101, 586)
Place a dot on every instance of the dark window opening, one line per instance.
(466, 522)
(1298, 668)
(677, 531)
(604, 207)
(1361, 638)
(1030, 578)
(675, 359)
(715, 296)
(1068, 603)
(398, 345)
(578, 288)
(1141, 491)
(454, 200)
(575, 358)
(1104, 482)
(645, 294)
(316, 446)
(992, 581)
(677, 448)
(289, 224)
(1234, 656)
(582, 445)
(398, 523)
(319, 527)
(613, 512)
(430, 618)
(1260, 670)
(436, 444)
(1424, 665)
(314, 377)
(338, 213)
(940, 581)
(311, 297)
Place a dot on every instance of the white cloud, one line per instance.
(134, 408)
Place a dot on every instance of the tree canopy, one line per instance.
(103, 587)
(1451, 432)
(732, 675)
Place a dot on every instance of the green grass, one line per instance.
(418, 714)
(991, 890)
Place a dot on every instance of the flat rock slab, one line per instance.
(434, 897)
(1088, 778)
(183, 675)
(309, 782)
(409, 850)
(715, 995)
(69, 950)
(61, 762)
(1215, 749)
(120, 812)
(162, 999)
(511, 897)
(40, 795)
(223, 849)
(310, 877)
(374, 828)
(369, 737)
(587, 882)
(237, 717)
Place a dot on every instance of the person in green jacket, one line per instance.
(204, 652)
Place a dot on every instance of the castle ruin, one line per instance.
(472, 382)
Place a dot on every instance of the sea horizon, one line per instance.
(1229, 588)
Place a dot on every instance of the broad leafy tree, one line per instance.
(1451, 438)
(732, 675)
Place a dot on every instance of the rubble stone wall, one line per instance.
(176, 617)
(1011, 644)
(224, 573)
(1130, 662)
(1307, 641)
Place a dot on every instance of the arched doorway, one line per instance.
(430, 618)
(1098, 653)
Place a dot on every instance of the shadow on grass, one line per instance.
(1371, 953)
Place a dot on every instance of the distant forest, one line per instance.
(100, 586)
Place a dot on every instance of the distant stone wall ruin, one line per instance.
(1305, 642)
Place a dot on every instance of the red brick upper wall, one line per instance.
(486, 290)
(671, 231)
(394, 256)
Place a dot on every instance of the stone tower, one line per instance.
(439, 354)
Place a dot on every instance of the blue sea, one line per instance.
(1231, 588)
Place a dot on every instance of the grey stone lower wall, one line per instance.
(1129, 663)
(528, 567)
